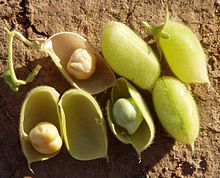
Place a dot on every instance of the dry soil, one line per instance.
(166, 157)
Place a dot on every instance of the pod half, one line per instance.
(60, 47)
(83, 125)
(40, 105)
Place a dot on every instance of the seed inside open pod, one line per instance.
(40, 105)
(82, 64)
(62, 46)
(138, 129)
(83, 125)
(45, 138)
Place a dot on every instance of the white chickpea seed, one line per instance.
(82, 64)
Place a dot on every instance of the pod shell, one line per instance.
(61, 46)
(83, 125)
(40, 105)
(144, 135)
(184, 53)
(176, 109)
(129, 55)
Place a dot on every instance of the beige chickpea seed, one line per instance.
(45, 138)
(82, 64)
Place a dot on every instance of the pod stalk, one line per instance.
(157, 31)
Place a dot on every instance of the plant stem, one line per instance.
(10, 76)
(10, 57)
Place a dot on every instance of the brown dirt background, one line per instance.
(165, 158)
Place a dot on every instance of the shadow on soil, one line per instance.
(123, 160)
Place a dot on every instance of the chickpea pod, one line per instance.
(129, 55)
(176, 109)
(182, 50)
(83, 125)
(45, 138)
(128, 116)
(79, 63)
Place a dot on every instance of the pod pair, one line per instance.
(130, 119)
(132, 58)
(174, 104)
(77, 117)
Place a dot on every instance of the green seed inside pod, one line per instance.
(82, 64)
(45, 138)
(127, 115)
(127, 105)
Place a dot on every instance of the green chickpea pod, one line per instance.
(129, 118)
